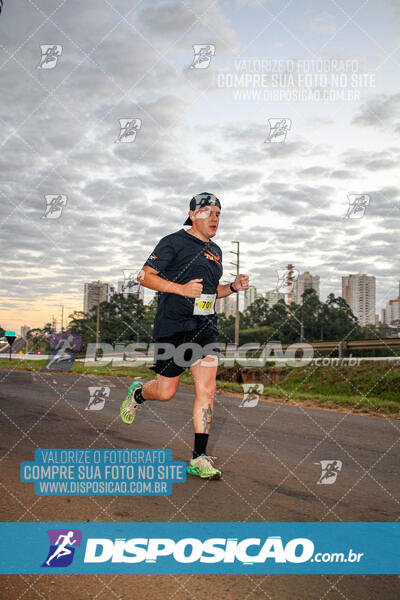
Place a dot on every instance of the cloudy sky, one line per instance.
(329, 68)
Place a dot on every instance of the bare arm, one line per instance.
(149, 278)
(153, 281)
(224, 290)
(240, 284)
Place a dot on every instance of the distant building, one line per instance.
(305, 281)
(249, 296)
(131, 287)
(391, 314)
(111, 292)
(24, 330)
(273, 296)
(94, 293)
(359, 292)
(226, 305)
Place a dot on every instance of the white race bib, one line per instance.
(205, 304)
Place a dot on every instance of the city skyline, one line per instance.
(227, 305)
(80, 205)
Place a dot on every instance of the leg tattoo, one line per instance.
(207, 417)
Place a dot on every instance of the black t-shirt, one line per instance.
(181, 257)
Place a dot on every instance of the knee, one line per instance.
(166, 394)
(210, 389)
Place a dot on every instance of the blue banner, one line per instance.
(213, 548)
(88, 472)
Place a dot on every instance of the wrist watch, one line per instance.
(233, 289)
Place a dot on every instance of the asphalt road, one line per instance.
(270, 455)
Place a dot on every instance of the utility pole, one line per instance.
(237, 263)
(97, 329)
(302, 320)
(290, 284)
(62, 318)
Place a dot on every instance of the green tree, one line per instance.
(48, 328)
(340, 322)
(257, 313)
(330, 320)
(226, 326)
(36, 337)
(284, 322)
(121, 320)
(80, 324)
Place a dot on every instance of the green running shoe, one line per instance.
(202, 467)
(129, 406)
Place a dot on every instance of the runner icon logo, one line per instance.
(330, 471)
(278, 129)
(251, 394)
(54, 206)
(202, 55)
(61, 357)
(50, 55)
(357, 205)
(62, 547)
(98, 397)
(128, 130)
(131, 284)
(286, 279)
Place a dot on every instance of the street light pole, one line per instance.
(302, 320)
(97, 329)
(237, 263)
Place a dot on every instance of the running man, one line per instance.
(62, 549)
(185, 268)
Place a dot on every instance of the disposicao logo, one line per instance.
(190, 550)
(62, 547)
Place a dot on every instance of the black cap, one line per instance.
(199, 200)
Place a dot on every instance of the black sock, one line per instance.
(138, 396)
(200, 444)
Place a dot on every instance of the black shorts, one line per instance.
(173, 354)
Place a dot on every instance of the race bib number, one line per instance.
(205, 304)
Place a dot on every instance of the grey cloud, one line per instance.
(235, 180)
(176, 180)
(324, 24)
(251, 137)
(385, 159)
(377, 165)
(295, 200)
(343, 174)
(123, 197)
(314, 172)
(380, 111)
(319, 220)
(384, 202)
(187, 24)
(283, 150)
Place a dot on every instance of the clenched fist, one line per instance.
(193, 288)
(241, 283)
